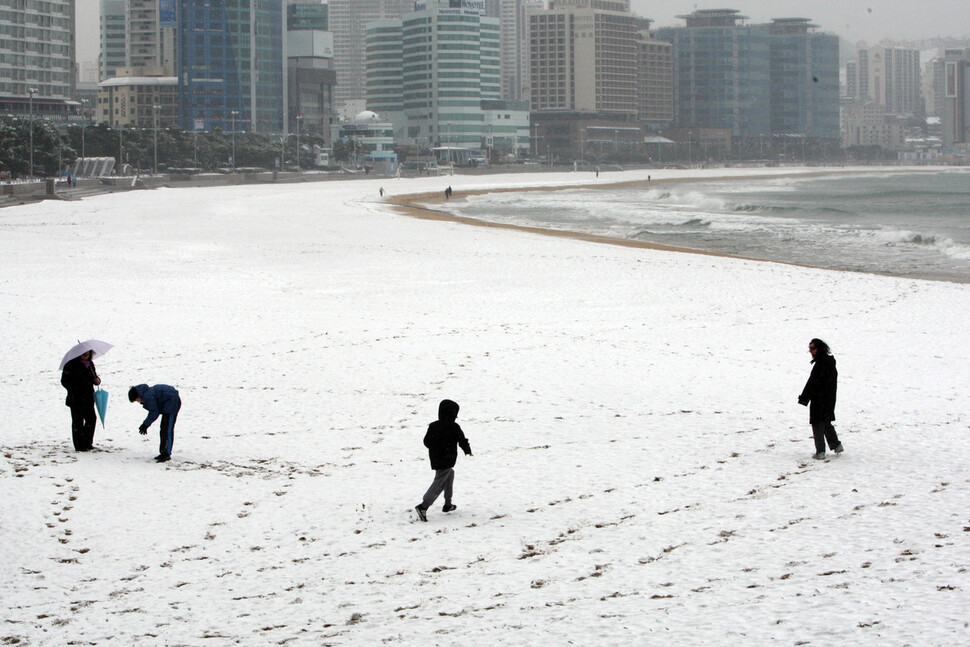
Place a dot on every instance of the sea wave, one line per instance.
(942, 244)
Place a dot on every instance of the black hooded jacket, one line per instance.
(444, 437)
(820, 389)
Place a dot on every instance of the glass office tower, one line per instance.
(804, 79)
(232, 71)
(722, 75)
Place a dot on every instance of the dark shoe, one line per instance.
(161, 458)
(837, 449)
(449, 508)
(422, 513)
(819, 456)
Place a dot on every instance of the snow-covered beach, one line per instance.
(642, 471)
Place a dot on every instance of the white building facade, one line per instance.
(436, 75)
(37, 54)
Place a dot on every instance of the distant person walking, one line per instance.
(442, 440)
(448, 193)
(159, 400)
(79, 377)
(819, 396)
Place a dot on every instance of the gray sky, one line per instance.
(870, 20)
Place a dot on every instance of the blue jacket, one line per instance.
(159, 399)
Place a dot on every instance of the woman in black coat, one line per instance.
(79, 378)
(819, 394)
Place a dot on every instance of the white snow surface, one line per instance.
(641, 471)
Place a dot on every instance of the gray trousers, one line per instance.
(443, 482)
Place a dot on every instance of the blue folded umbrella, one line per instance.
(101, 403)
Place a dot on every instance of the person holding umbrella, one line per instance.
(79, 377)
(159, 400)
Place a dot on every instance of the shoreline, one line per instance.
(416, 205)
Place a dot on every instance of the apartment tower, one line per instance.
(37, 50)
(348, 22)
(583, 57)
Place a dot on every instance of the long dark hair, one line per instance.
(821, 346)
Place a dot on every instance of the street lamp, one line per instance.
(31, 92)
(84, 103)
(232, 116)
(155, 110)
(299, 120)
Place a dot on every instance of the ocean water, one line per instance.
(902, 224)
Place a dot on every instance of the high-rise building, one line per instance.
(348, 20)
(804, 79)
(150, 34)
(451, 63)
(583, 78)
(890, 76)
(956, 100)
(232, 71)
(932, 89)
(113, 51)
(514, 26)
(310, 70)
(385, 72)
(851, 81)
(435, 75)
(37, 51)
(583, 58)
(722, 76)
(655, 86)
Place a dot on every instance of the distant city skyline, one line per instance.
(853, 20)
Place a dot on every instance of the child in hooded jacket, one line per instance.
(442, 440)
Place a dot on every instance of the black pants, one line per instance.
(166, 431)
(824, 431)
(83, 420)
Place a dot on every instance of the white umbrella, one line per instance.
(99, 348)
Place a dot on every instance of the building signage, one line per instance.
(475, 5)
(166, 13)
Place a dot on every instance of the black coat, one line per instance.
(442, 440)
(78, 379)
(820, 389)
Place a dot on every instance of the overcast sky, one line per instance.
(870, 20)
